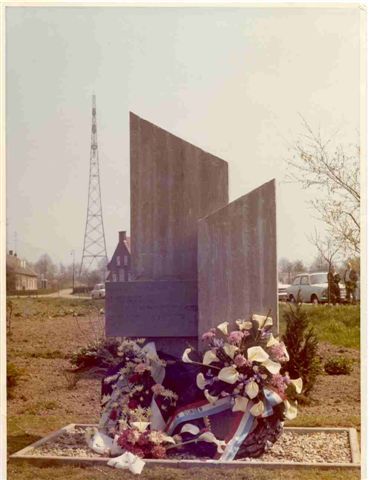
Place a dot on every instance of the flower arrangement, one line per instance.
(239, 370)
(143, 442)
(245, 364)
(131, 390)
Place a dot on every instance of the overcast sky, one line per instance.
(229, 80)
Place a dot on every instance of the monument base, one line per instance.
(162, 311)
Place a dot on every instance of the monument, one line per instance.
(173, 185)
(190, 249)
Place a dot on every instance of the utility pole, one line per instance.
(94, 247)
(73, 270)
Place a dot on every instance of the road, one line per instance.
(64, 293)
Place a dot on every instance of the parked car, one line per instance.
(282, 292)
(98, 291)
(312, 288)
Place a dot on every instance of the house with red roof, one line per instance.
(119, 266)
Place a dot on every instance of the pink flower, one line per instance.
(141, 368)
(158, 451)
(235, 337)
(278, 352)
(207, 336)
(157, 389)
(278, 383)
(240, 360)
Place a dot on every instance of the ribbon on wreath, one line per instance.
(247, 423)
(197, 410)
(242, 425)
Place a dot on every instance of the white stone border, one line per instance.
(24, 454)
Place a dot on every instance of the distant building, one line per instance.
(19, 275)
(120, 264)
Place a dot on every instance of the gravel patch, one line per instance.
(316, 447)
(297, 447)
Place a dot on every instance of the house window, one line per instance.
(118, 259)
(121, 275)
(114, 277)
(125, 260)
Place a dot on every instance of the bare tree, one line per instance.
(335, 170)
(326, 247)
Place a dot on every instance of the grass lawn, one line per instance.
(337, 325)
(45, 331)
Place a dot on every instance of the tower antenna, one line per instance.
(94, 240)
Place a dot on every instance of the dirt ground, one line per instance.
(42, 401)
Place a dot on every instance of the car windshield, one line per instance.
(99, 286)
(319, 278)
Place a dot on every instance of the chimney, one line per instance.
(122, 236)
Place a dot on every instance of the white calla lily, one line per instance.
(201, 381)
(290, 410)
(168, 439)
(244, 324)
(272, 367)
(185, 356)
(230, 350)
(272, 341)
(286, 353)
(209, 357)
(257, 354)
(257, 409)
(252, 389)
(223, 327)
(240, 404)
(228, 375)
(210, 437)
(263, 320)
(189, 428)
(141, 426)
(298, 384)
(210, 397)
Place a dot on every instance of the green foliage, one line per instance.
(338, 366)
(302, 345)
(101, 354)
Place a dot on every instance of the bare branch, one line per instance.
(334, 171)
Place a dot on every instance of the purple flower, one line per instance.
(218, 342)
(235, 337)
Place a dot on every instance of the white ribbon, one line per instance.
(128, 461)
(102, 444)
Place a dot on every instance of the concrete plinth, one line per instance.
(165, 312)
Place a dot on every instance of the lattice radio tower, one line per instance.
(94, 240)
